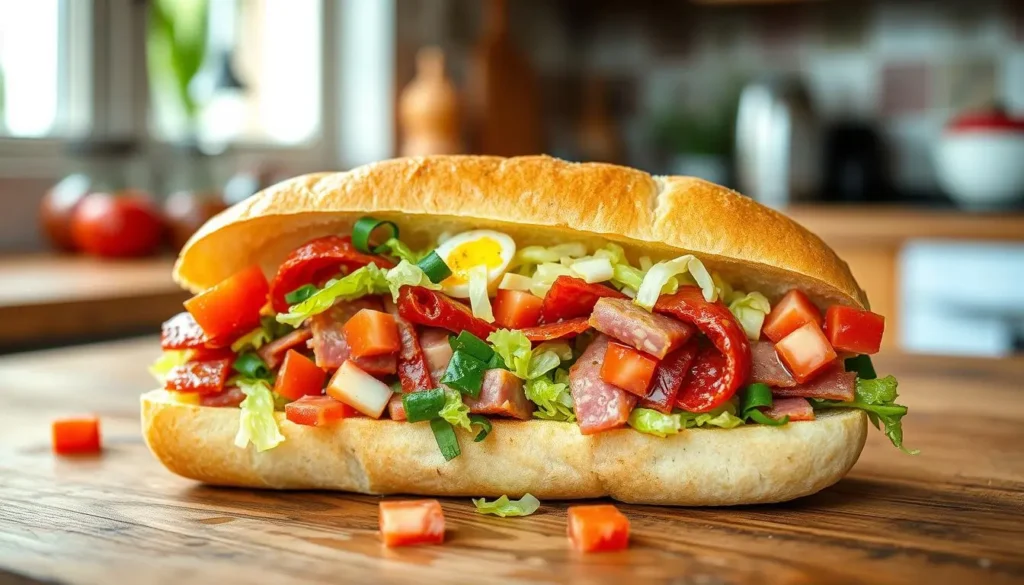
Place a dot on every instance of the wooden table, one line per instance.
(45, 298)
(954, 514)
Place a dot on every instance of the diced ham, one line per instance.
(396, 410)
(834, 383)
(437, 349)
(232, 396)
(795, 408)
(273, 352)
(329, 345)
(501, 393)
(767, 368)
(599, 405)
(623, 320)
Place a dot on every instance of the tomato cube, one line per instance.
(628, 368)
(371, 333)
(299, 377)
(516, 309)
(232, 307)
(854, 330)
(76, 435)
(411, 522)
(597, 528)
(806, 352)
(317, 411)
(791, 312)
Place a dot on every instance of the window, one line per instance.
(31, 88)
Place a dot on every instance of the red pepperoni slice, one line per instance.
(570, 297)
(561, 330)
(669, 377)
(433, 309)
(413, 368)
(206, 377)
(315, 262)
(182, 332)
(715, 375)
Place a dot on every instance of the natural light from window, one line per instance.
(29, 67)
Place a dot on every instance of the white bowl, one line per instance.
(981, 168)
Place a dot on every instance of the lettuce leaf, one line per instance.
(723, 417)
(454, 410)
(479, 298)
(167, 361)
(662, 425)
(750, 310)
(878, 399)
(544, 276)
(407, 274)
(505, 507)
(540, 254)
(553, 400)
(257, 424)
(661, 273)
(368, 280)
(254, 339)
(395, 247)
(514, 349)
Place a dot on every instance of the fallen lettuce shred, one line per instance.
(878, 399)
(257, 424)
(506, 507)
(167, 361)
(407, 274)
(368, 280)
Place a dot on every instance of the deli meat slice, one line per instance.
(795, 408)
(437, 350)
(273, 352)
(669, 377)
(767, 368)
(502, 393)
(329, 346)
(648, 332)
(599, 405)
(232, 396)
(832, 384)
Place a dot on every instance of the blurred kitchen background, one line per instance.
(892, 128)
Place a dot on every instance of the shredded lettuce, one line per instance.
(454, 410)
(505, 507)
(722, 417)
(513, 281)
(254, 339)
(545, 276)
(548, 356)
(540, 254)
(257, 424)
(750, 310)
(395, 247)
(593, 269)
(551, 397)
(479, 298)
(662, 425)
(514, 349)
(878, 399)
(368, 280)
(167, 361)
(553, 400)
(407, 274)
(661, 273)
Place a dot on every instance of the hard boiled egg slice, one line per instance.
(461, 252)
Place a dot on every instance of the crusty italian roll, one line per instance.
(589, 329)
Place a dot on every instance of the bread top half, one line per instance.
(536, 200)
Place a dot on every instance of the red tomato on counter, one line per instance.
(628, 368)
(597, 528)
(516, 309)
(411, 522)
(76, 435)
(853, 330)
(792, 311)
(806, 351)
(299, 377)
(232, 307)
(121, 225)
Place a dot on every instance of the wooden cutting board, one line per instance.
(950, 515)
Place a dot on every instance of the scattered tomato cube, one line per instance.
(792, 311)
(299, 377)
(317, 411)
(854, 330)
(597, 528)
(232, 307)
(76, 435)
(371, 333)
(628, 368)
(411, 522)
(806, 351)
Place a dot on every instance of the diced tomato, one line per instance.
(791, 312)
(369, 333)
(516, 309)
(317, 411)
(76, 435)
(806, 352)
(597, 528)
(207, 377)
(232, 307)
(628, 368)
(299, 377)
(411, 522)
(853, 330)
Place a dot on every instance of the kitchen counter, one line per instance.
(949, 515)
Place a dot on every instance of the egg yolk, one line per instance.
(486, 251)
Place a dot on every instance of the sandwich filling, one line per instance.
(476, 328)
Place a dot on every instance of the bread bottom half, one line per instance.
(698, 467)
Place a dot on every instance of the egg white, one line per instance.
(507, 250)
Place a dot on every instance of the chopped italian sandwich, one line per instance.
(480, 326)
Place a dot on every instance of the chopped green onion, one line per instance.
(252, 366)
(466, 342)
(364, 228)
(755, 397)
(425, 405)
(496, 362)
(465, 373)
(300, 294)
(447, 442)
(483, 423)
(863, 366)
(434, 267)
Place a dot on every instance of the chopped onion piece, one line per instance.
(359, 390)
(594, 269)
(512, 281)
(479, 301)
(660, 274)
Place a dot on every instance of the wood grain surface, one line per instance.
(47, 298)
(954, 514)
